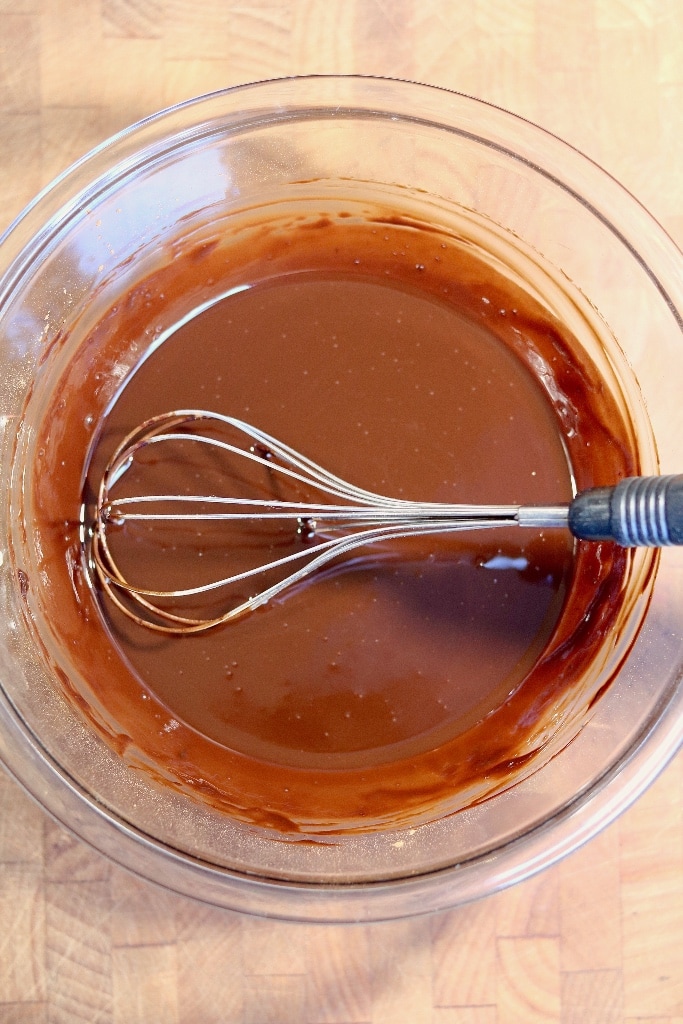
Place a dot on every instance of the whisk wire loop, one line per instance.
(354, 519)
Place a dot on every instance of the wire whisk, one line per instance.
(335, 518)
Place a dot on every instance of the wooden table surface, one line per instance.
(596, 940)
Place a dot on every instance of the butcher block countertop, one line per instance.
(598, 939)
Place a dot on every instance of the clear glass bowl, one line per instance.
(78, 244)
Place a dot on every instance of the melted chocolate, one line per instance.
(402, 682)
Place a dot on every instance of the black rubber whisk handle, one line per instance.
(639, 512)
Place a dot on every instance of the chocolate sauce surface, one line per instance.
(401, 677)
(392, 649)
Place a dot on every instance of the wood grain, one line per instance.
(599, 938)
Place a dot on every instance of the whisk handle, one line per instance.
(638, 512)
